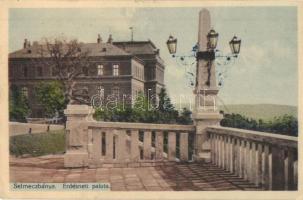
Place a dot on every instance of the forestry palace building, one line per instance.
(117, 68)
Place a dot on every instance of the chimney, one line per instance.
(110, 39)
(25, 44)
(35, 43)
(28, 44)
(99, 39)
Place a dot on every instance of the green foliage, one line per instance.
(18, 105)
(38, 144)
(286, 124)
(51, 96)
(185, 117)
(143, 111)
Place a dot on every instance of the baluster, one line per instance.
(235, 156)
(159, 145)
(265, 168)
(295, 174)
(171, 146)
(278, 178)
(246, 160)
(212, 148)
(228, 154)
(242, 158)
(259, 165)
(231, 154)
(134, 151)
(289, 170)
(223, 152)
(217, 149)
(97, 144)
(253, 164)
(121, 146)
(184, 146)
(109, 145)
(147, 145)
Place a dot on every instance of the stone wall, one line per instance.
(16, 128)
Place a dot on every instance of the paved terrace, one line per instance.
(175, 177)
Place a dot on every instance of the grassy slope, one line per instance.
(38, 144)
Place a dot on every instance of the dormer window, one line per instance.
(100, 70)
(115, 70)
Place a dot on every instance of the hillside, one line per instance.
(257, 111)
(260, 111)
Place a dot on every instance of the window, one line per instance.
(85, 71)
(116, 70)
(115, 91)
(54, 71)
(100, 90)
(24, 92)
(85, 90)
(39, 71)
(100, 70)
(24, 71)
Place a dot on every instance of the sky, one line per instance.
(264, 72)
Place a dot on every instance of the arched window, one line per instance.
(115, 70)
(100, 70)
(115, 91)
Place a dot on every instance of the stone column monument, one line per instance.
(206, 112)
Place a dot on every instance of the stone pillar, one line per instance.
(206, 112)
(77, 135)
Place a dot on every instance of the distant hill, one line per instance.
(258, 111)
(261, 111)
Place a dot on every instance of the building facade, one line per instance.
(117, 69)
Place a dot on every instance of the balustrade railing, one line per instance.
(138, 144)
(267, 160)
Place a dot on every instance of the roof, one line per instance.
(94, 49)
(137, 47)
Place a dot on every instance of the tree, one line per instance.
(185, 117)
(165, 104)
(68, 60)
(18, 105)
(166, 110)
(286, 124)
(51, 96)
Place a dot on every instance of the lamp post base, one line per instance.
(202, 144)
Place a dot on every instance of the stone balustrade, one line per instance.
(137, 144)
(265, 159)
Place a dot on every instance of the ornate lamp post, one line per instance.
(212, 40)
(205, 88)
